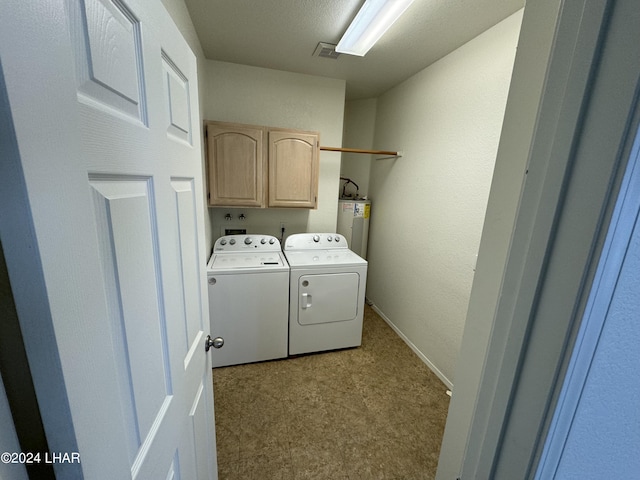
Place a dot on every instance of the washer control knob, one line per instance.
(263, 241)
(316, 238)
(248, 241)
(223, 241)
(330, 238)
(232, 241)
(337, 239)
(272, 241)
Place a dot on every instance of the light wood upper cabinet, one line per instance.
(253, 166)
(293, 168)
(236, 161)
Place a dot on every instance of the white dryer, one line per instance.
(326, 293)
(248, 280)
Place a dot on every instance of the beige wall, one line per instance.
(260, 96)
(429, 205)
(359, 130)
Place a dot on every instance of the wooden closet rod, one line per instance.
(359, 150)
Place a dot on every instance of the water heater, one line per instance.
(353, 223)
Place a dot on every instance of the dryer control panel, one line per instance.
(246, 243)
(315, 241)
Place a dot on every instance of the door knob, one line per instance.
(209, 342)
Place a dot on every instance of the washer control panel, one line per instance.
(315, 241)
(244, 243)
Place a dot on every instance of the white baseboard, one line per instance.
(415, 349)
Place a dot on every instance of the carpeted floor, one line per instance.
(372, 412)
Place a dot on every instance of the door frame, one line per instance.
(597, 315)
(581, 143)
(20, 245)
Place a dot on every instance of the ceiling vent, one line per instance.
(326, 50)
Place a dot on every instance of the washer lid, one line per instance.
(237, 262)
(337, 257)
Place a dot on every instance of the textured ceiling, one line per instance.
(283, 34)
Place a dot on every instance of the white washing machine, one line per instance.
(248, 280)
(326, 293)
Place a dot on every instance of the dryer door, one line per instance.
(326, 298)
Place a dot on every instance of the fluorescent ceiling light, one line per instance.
(374, 18)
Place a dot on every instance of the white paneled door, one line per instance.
(102, 227)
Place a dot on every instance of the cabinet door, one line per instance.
(293, 168)
(236, 165)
